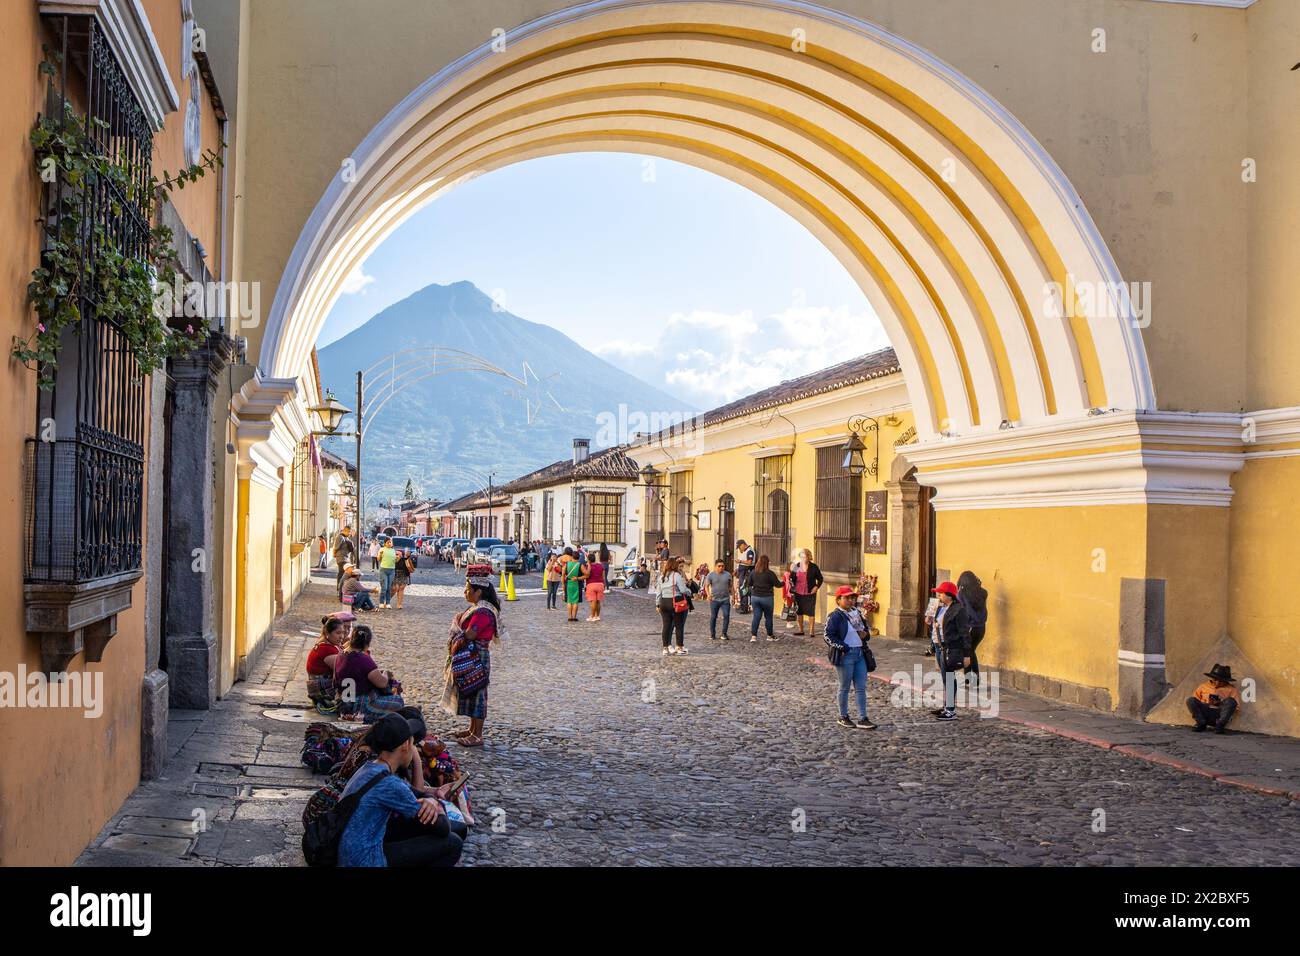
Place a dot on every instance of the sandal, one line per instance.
(470, 741)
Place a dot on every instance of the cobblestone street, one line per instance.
(602, 752)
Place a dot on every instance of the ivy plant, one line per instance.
(82, 259)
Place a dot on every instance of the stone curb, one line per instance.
(1129, 750)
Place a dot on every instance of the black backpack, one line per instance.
(320, 838)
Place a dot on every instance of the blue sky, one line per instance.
(691, 282)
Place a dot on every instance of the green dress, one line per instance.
(573, 582)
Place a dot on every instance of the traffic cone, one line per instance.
(502, 585)
(510, 588)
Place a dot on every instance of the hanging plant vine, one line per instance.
(81, 259)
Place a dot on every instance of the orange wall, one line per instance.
(74, 772)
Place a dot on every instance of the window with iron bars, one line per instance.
(837, 518)
(772, 508)
(679, 493)
(304, 493)
(600, 517)
(85, 467)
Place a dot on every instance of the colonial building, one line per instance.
(770, 468)
(584, 500)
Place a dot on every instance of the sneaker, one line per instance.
(666, 652)
(1199, 728)
(753, 639)
(946, 715)
(713, 637)
(771, 637)
(724, 638)
(681, 650)
(865, 725)
(845, 722)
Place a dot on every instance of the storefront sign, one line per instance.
(873, 540)
(877, 505)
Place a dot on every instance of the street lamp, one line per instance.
(331, 414)
(855, 462)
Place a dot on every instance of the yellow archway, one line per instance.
(954, 221)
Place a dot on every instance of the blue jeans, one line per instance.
(762, 610)
(386, 584)
(853, 670)
(714, 608)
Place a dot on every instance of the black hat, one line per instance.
(1220, 672)
(388, 733)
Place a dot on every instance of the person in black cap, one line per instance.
(1215, 701)
(422, 835)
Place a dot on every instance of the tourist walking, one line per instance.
(344, 550)
(573, 571)
(374, 835)
(953, 651)
(674, 599)
(717, 588)
(323, 548)
(373, 552)
(763, 584)
(847, 639)
(596, 573)
(744, 571)
(806, 579)
(387, 572)
(975, 600)
(401, 576)
(468, 671)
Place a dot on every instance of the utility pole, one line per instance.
(359, 515)
(490, 529)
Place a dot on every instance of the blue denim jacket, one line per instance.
(362, 843)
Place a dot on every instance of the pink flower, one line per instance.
(41, 326)
(189, 329)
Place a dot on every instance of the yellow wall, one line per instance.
(731, 471)
(1050, 612)
(1265, 529)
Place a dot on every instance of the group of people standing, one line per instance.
(752, 589)
(582, 574)
(395, 566)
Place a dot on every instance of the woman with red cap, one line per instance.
(954, 650)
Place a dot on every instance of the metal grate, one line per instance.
(772, 508)
(84, 494)
(837, 520)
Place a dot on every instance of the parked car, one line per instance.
(479, 550)
(615, 573)
(505, 557)
(409, 545)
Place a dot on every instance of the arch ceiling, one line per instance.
(949, 215)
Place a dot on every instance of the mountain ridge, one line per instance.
(449, 431)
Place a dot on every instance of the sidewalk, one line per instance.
(234, 786)
(1256, 762)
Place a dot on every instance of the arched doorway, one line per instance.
(726, 544)
(851, 132)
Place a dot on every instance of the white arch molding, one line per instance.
(947, 212)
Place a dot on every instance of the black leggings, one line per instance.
(412, 843)
(552, 587)
(672, 621)
(976, 635)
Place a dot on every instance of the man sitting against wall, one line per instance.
(1214, 701)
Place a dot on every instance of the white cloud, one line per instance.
(711, 358)
(356, 281)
